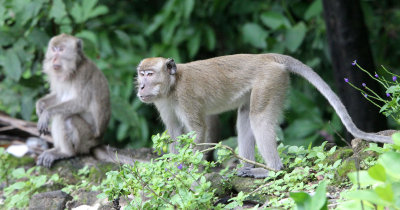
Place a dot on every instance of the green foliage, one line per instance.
(119, 34)
(5, 166)
(389, 104)
(19, 193)
(379, 186)
(307, 202)
(169, 182)
(305, 167)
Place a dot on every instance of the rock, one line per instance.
(82, 197)
(49, 200)
(245, 184)
(218, 183)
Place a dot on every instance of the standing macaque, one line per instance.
(78, 104)
(256, 85)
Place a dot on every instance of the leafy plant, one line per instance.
(19, 193)
(305, 171)
(171, 181)
(307, 202)
(379, 186)
(389, 105)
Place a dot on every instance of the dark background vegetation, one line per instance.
(118, 34)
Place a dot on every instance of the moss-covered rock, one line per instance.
(341, 153)
(68, 169)
(348, 165)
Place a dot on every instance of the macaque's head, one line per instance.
(155, 78)
(64, 54)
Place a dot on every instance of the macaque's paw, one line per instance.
(46, 159)
(43, 124)
(258, 173)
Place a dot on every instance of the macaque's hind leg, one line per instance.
(246, 140)
(71, 136)
(265, 109)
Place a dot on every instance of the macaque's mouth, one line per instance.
(146, 98)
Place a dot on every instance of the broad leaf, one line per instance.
(12, 65)
(274, 19)
(255, 35)
(391, 162)
(377, 172)
(295, 36)
(314, 10)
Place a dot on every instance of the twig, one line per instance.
(6, 128)
(26, 126)
(234, 154)
(149, 188)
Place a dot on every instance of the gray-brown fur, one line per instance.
(256, 85)
(78, 104)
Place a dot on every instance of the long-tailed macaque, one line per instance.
(185, 94)
(78, 104)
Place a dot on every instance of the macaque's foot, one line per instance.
(258, 173)
(46, 159)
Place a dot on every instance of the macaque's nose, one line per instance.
(56, 66)
(142, 86)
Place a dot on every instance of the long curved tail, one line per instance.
(297, 67)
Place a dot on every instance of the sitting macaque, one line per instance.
(256, 85)
(78, 104)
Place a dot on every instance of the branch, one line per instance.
(234, 154)
(26, 126)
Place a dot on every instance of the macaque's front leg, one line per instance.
(66, 108)
(44, 102)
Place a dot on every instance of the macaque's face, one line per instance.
(153, 80)
(62, 54)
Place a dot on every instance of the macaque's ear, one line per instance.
(171, 66)
(79, 45)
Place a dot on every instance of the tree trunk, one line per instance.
(348, 41)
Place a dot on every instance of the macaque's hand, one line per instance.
(43, 123)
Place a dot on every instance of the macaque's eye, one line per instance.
(149, 73)
(141, 73)
(54, 49)
(61, 48)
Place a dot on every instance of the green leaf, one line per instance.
(12, 65)
(295, 36)
(58, 11)
(301, 128)
(383, 108)
(39, 181)
(302, 200)
(365, 178)
(273, 19)
(77, 13)
(210, 38)
(194, 45)
(122, 131)
(189, 5)
(364, 195)
(393, 89)
(27, 107)
(87, 7)
(18, 173)
(100, 10)
(314, 10)
(255, 35)
(385, 192)
(377, 172)
(391, 162)
(396, 138)
(319, 200)
(89, 35)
